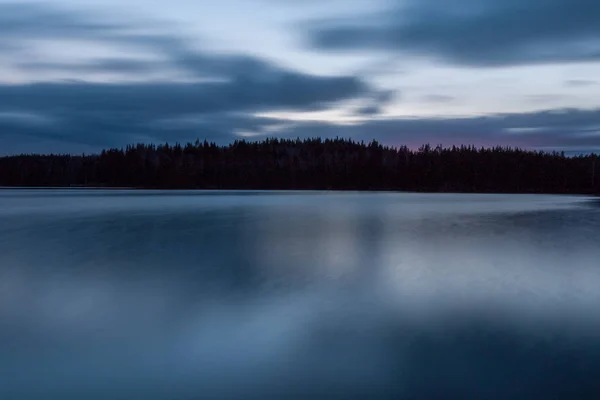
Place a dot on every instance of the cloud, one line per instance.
(376, 103)
(369, 110)
(226, 89)
(94, 131)
(27, 21)
(580, 82)
(286, 91)
(550, 129)
(546, 98)
(107, 115)
(570, 129)
(34, 21)
(104, 65)
(485, 33)
(438, 98)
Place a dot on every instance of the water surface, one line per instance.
(276, 295)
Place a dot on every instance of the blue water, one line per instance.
(288, 295)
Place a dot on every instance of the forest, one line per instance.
(310, 164)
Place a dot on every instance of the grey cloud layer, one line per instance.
(67, 116)
(575, 130)
(23, 22)
(168, 99)
(570, 129)
(108, 114)
(102, 65)
(475, 33)
(113, 115)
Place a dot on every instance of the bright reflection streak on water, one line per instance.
(186, 295)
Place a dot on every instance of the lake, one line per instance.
(115, 294)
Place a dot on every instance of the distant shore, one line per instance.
(311, 164)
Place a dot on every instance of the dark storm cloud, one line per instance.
(475, 33)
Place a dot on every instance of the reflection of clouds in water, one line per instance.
(76, 304)
(391, 296)
(316, 341)
(514, 275)
(502, 262)
(300, 244)
(218, 348)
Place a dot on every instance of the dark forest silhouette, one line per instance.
(336, 164)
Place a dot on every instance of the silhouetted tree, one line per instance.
(336, 164)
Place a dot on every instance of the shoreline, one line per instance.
(170, 189)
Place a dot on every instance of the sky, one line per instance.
(77, 77)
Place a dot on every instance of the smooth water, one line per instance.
(279, 295)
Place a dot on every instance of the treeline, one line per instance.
(336, 164)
